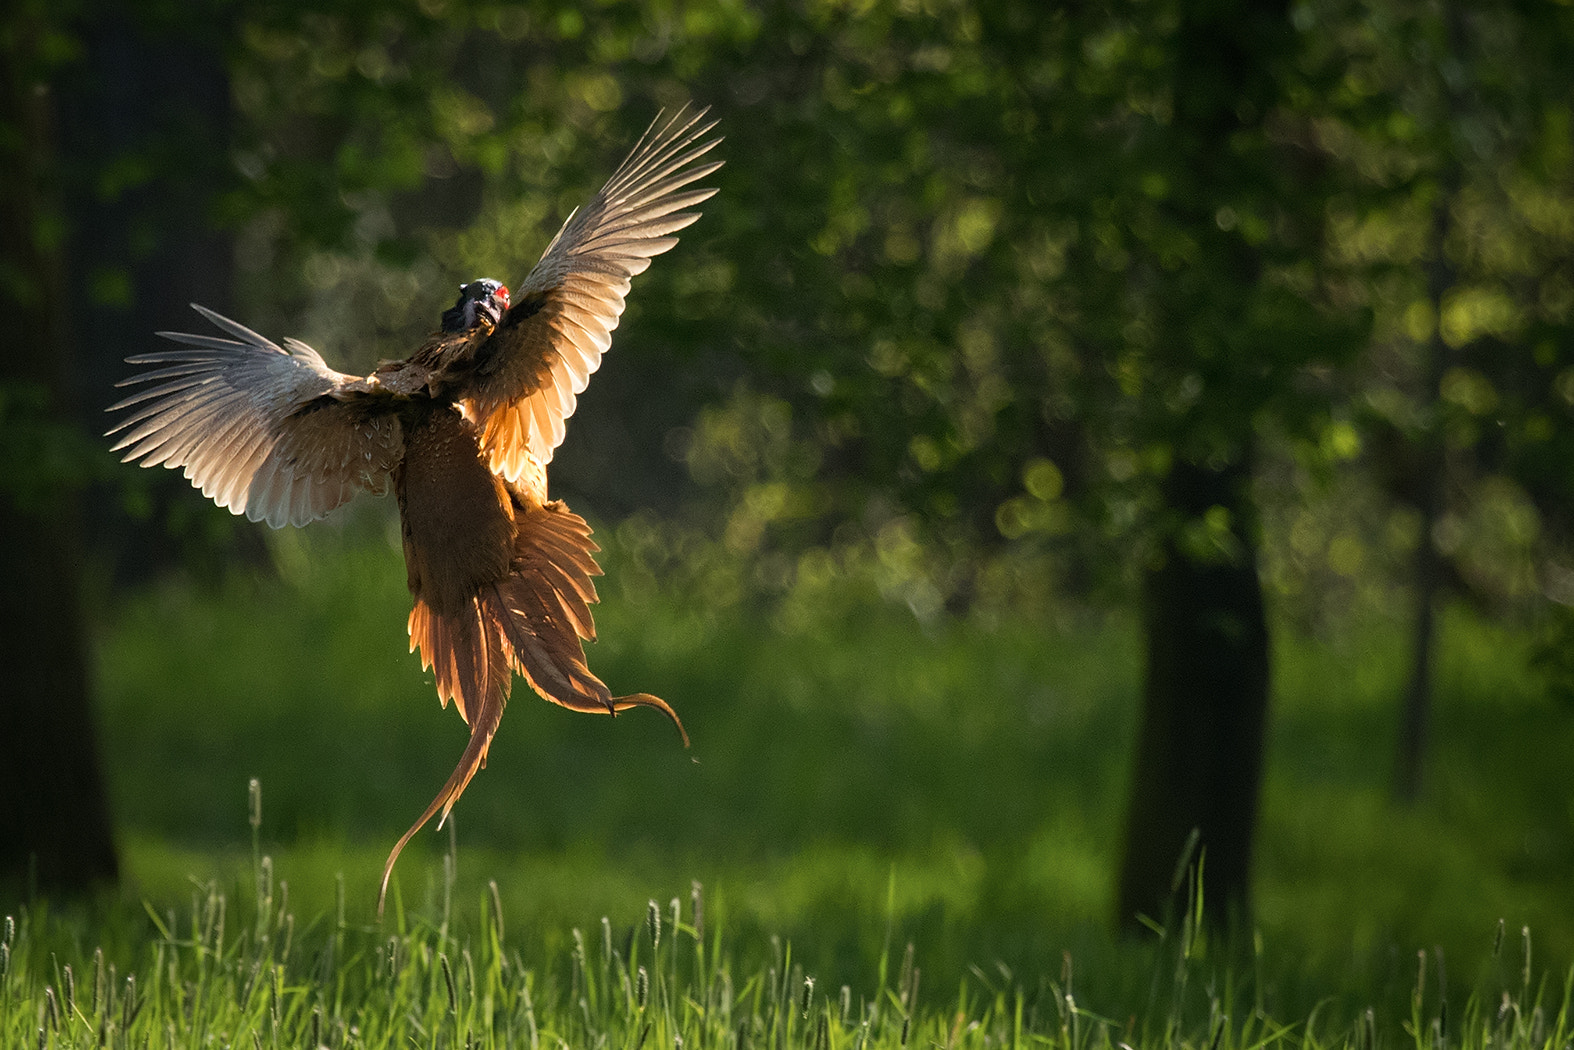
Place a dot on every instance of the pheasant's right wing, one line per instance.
(267, 431)
(531, 370)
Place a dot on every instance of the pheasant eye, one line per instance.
(502, 295)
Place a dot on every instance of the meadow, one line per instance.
(925, 813)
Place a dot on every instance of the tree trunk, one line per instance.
(54, 818)
(1432, 458)
(146, 84)
(1205, 700)
(1416, 716)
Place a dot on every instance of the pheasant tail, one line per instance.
(466, 655)
(533, 621)
(545, 603)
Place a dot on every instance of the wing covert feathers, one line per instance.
(531, 620)
(553, 337)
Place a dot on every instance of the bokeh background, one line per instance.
(1068, 426)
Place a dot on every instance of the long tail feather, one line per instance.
(471, 668)
(623, 703)
(544, 614)
(473, 759)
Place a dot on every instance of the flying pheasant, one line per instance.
(463, 429)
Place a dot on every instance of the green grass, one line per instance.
(244, 970)
(857, 781)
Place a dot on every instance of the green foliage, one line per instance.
(955, 247)
(958, 246)
(1451, 224)
(1552, 652)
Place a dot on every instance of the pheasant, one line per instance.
(462, 430)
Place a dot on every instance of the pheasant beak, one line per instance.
(491, 310)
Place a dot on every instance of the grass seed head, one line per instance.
(448, 981)
(129, 1006)
(496, 897)
(98, 978)
(254, 803)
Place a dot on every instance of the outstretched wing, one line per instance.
(528, 374)
(269, 432)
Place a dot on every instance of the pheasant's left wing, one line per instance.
(270, 432)
(527, 375)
